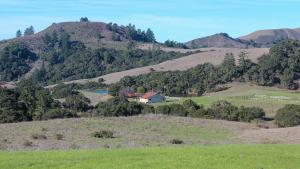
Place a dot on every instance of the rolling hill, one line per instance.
(98, 34)
(207, 55)
(270, 36)
(217, 40)
(86, 32)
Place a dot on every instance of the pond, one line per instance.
(101, 91)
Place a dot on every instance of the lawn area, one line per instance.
(269, 98)
(191, 157)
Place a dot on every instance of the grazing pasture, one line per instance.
(187, 157)
(242, 94)
(137, 131)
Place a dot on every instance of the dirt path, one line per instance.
(209, 55)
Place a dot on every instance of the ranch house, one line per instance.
(152, 97)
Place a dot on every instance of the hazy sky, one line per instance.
(180, 20)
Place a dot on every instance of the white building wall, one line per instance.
(142, 100)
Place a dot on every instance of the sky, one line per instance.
(180, 20)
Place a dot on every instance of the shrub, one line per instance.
(27, 143)
(288, 116)
(250, 113)
(58, 113)
(59, 136)
(39, 136)
(121, 107)
(163, 109)
(173, 109)
(198, 113)
(77, 102)
(103, 134)
(224, 110)
(176, 141)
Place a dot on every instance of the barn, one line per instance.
(152, 97)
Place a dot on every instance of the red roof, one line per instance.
(132, 94)
(148, 95)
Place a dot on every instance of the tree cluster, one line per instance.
(132, 33)
(280, 67)
(219, 110)
(29, 102)
(174, 44)
(288, 116)
(29, 31)
(119, 106)
(69, 60)
(194, 81)
(15, 60)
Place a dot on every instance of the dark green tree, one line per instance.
(18, 33)
(29, 31)
(150, 35)
(84, 19)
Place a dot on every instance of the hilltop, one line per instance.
(92, 34)
(268, 37)
(217, 40)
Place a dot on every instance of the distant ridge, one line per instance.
(113, 35)
(268, 37)
(216, 40)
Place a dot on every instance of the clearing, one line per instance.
(208, 55)
(244, 94)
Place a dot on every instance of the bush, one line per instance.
(173, 109)
(27, 143)
(39, 136)
(118, 106)
(224, 110)
(247, 114)
(58, 113)
(77, 102)
(288, 116)
(84, 19)
(63, 91)
(59, 136)
(103, 134)
(176, 141)
(198, 113)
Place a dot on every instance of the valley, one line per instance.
(89, 94)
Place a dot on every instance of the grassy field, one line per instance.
(138, 131)
(196, 157)
(269, 98)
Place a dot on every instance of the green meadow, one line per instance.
(269, 98)
(195, 157)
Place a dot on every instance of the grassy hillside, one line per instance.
(269, 98)
(139, 131)
(208, 157)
